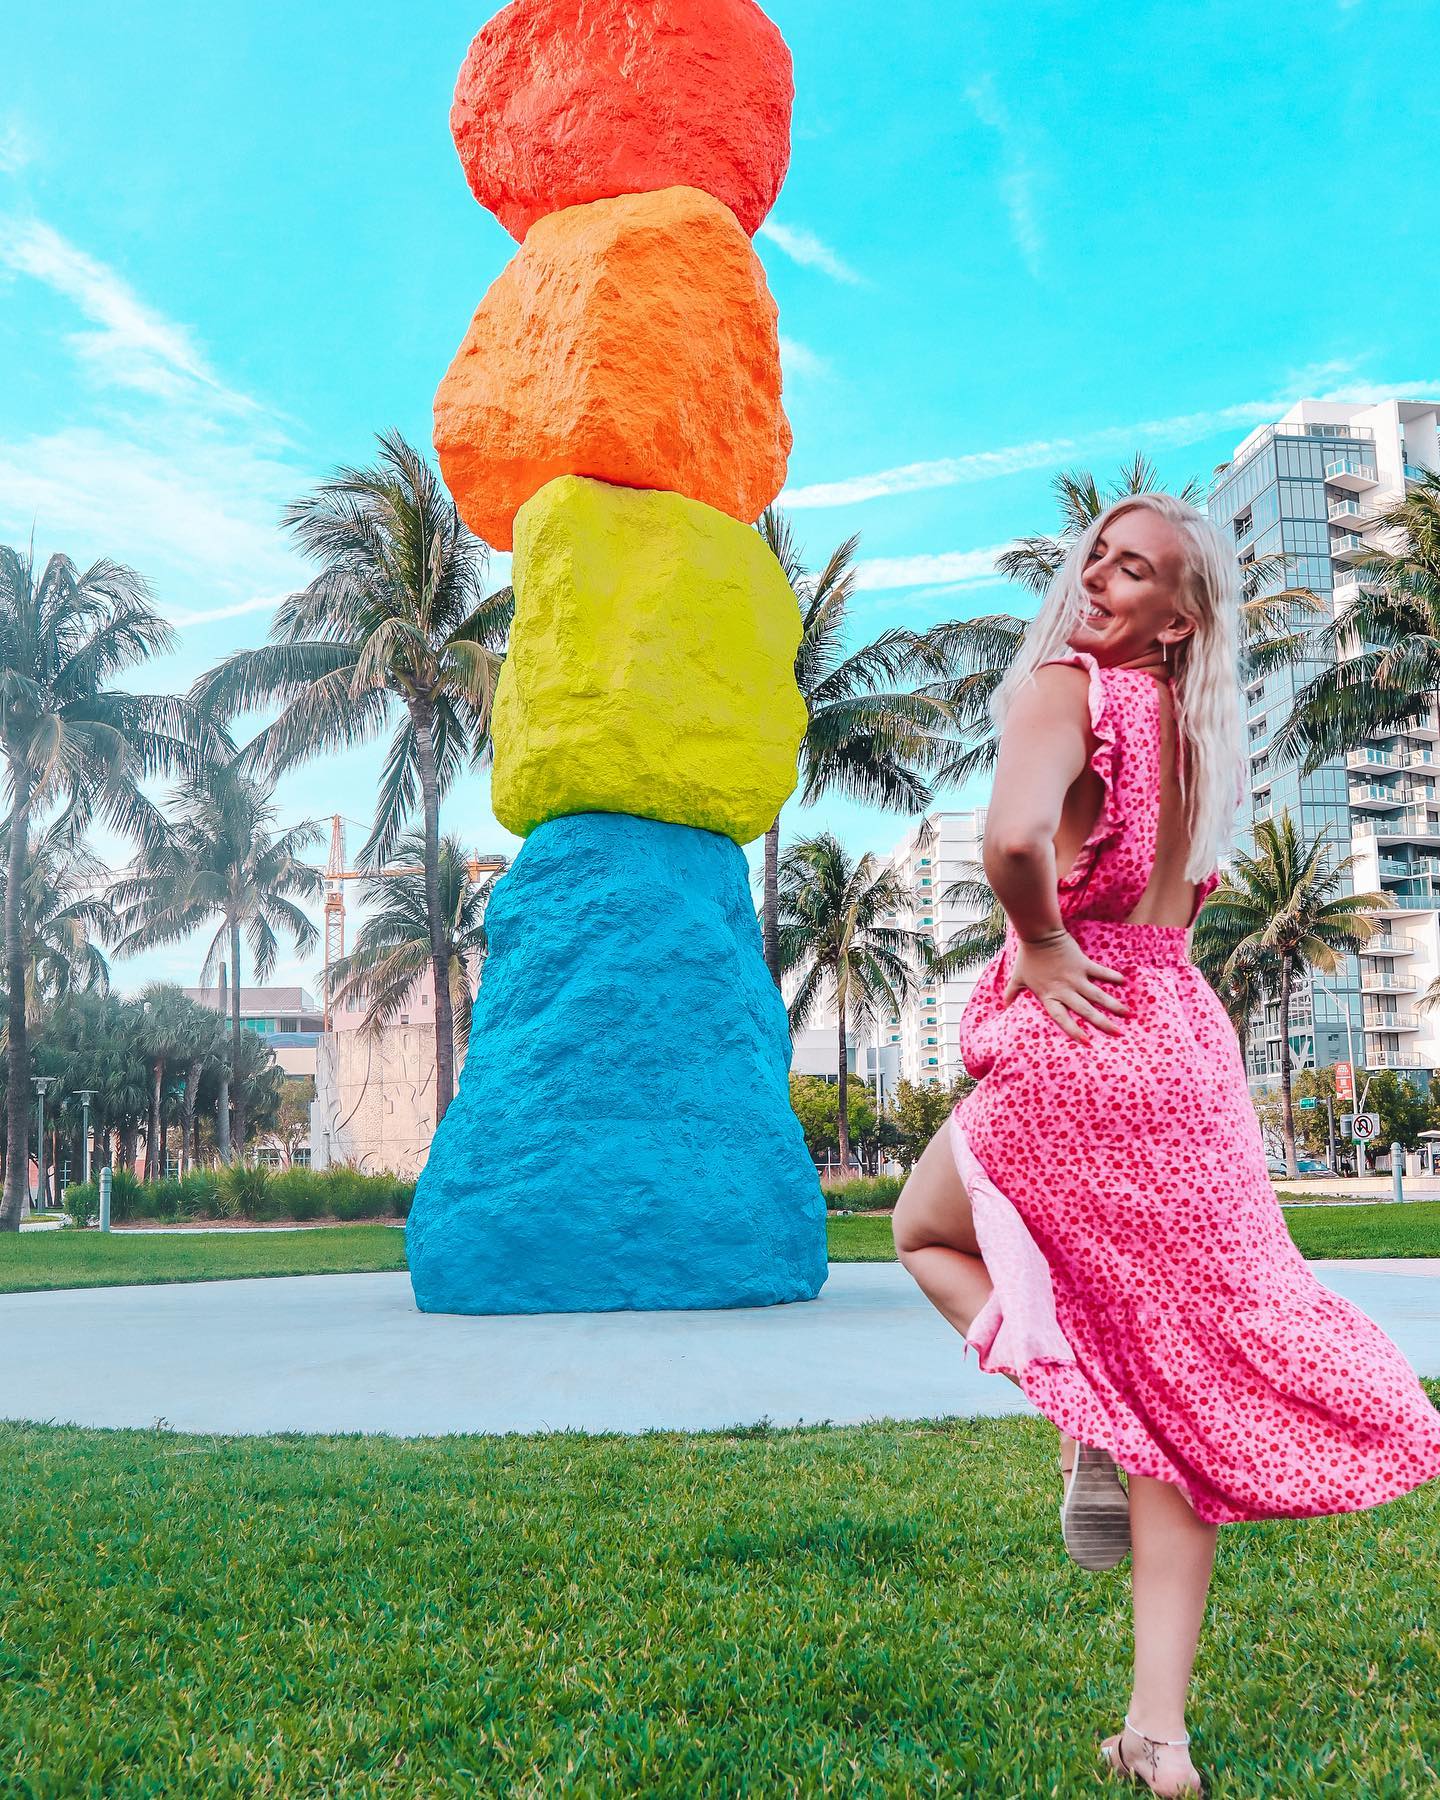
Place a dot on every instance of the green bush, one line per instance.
(127, 1196)
(865, 1193)
(81, 1203)
(244, 1191)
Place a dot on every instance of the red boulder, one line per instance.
(561, 102)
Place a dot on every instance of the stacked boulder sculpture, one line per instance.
(622, 1136)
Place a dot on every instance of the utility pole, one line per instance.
(43, 1084)
(85, 1096)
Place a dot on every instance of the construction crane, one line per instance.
(336, 875)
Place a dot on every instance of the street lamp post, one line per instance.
(85, 1096)
(43, 1084)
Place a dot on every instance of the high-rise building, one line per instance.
(923, 1037)
(1312, 486)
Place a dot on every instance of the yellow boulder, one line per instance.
(651, 668)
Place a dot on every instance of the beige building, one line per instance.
(375, 1093)
(286, 1019)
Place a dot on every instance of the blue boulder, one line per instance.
(622, 1138)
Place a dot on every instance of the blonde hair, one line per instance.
(1204, 667)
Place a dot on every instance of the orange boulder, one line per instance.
(632, 340)
(561, 102)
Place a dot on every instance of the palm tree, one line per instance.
(1244, 982)
(72, 740)
(981, 938)
(392, 949)
(223, 860)
(975, 654)
(167, 1028)
(62, 913)
(1383, 650)
(201, 1045)
(1282, 909)
(868, 735)
(834, 930)
(397, 614)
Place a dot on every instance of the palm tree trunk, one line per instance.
(222, 1111)
(1287, 1105)
(237, 1086)
(153, 1167)
(439, 949)
(770, 902)
(187, 1124)
(17, 1084)
(842, 1113)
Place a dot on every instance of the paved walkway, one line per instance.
(331, 1353)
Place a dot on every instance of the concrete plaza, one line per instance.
(340, 1353)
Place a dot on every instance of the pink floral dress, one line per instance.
(1148, 1297)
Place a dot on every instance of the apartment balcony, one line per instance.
(1425, 727)
(1377, 794)
(1385, 943)
(1392, 1059)
(1373, 983)
(1350, 585)
(1348, 547)
(1409, 903)
(1351, 473)
(1373, 756)
(1414, 475)
(1350, 514)
(1412, 826)
(1396, 1021)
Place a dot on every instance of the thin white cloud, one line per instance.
(185, 621)
(1044, 453)
(1019, 174)
(15, 149)
(129, 344)
(811, 252)
(799, 359)
(953, 568)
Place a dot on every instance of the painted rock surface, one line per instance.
(622, 1138)
(634, 341)
(561, 102)
(651, 668)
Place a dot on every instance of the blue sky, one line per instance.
(236, 242)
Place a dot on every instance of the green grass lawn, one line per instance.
(875, 1611)
(70, 1259)
(67, 1259)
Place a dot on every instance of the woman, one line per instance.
(1096, 1218)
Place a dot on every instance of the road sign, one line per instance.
(1307, 1105)
(1364, 1127)
(1344, 1081)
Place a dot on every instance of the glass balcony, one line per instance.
(1386, 943)
(1379, 794)
(1373, 983)
(1390, 1021)
(1375, 756)
(1413, 826)
(1349, 511)
(1348, 546)
(1353, 473)
(1415, 474)
(1392, 1059)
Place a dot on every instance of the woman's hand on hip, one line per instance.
(1066, 983)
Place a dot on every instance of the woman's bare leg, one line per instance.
(1172, 1554)
(935, 1235)
(935, 1240)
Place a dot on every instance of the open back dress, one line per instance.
(1148, 1297)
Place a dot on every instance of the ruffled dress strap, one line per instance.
(1113, 866)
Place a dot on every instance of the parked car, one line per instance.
(1304, 1165)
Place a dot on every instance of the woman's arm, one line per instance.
(1044, 748)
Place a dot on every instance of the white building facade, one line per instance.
(1313, 486)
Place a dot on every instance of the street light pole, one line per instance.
(43, 1084)
(85, 1096)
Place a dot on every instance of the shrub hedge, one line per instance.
(864, 1193)
(244, 1192)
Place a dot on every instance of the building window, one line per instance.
(930, 1040)
(927, 920)
(932, 1061)
(924, 862)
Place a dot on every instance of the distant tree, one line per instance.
(871, 732)
(919, 1111)
(1283, 908)
(816, 1104)
(73, 740)
(397, 622)
(835, 936)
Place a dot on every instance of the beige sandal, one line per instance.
(1095, 1513)
(1113, 1756)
